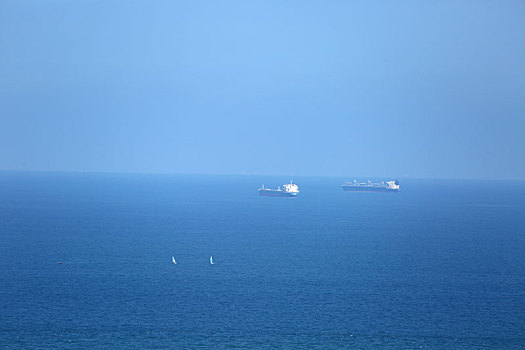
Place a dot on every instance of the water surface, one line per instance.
(439, 265)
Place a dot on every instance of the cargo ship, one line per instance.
(389, 186)
(290, 190)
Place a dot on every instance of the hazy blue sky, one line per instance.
(353, 88)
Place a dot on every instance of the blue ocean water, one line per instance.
(440, 265)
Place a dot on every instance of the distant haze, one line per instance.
(347, 88)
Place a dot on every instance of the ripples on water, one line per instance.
(438, 265)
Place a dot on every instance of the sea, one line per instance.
(439, 265)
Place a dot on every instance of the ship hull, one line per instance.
(369, 189)
(274, 193)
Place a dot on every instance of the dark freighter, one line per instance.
(290, 190)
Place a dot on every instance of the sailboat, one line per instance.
(211, 260)
(173, 260)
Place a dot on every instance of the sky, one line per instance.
(422, 89)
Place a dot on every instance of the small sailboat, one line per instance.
(173, 260)
(211, 260)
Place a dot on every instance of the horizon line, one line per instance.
(248, 174)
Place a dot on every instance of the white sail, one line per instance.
(211, 260)
(173, 260)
